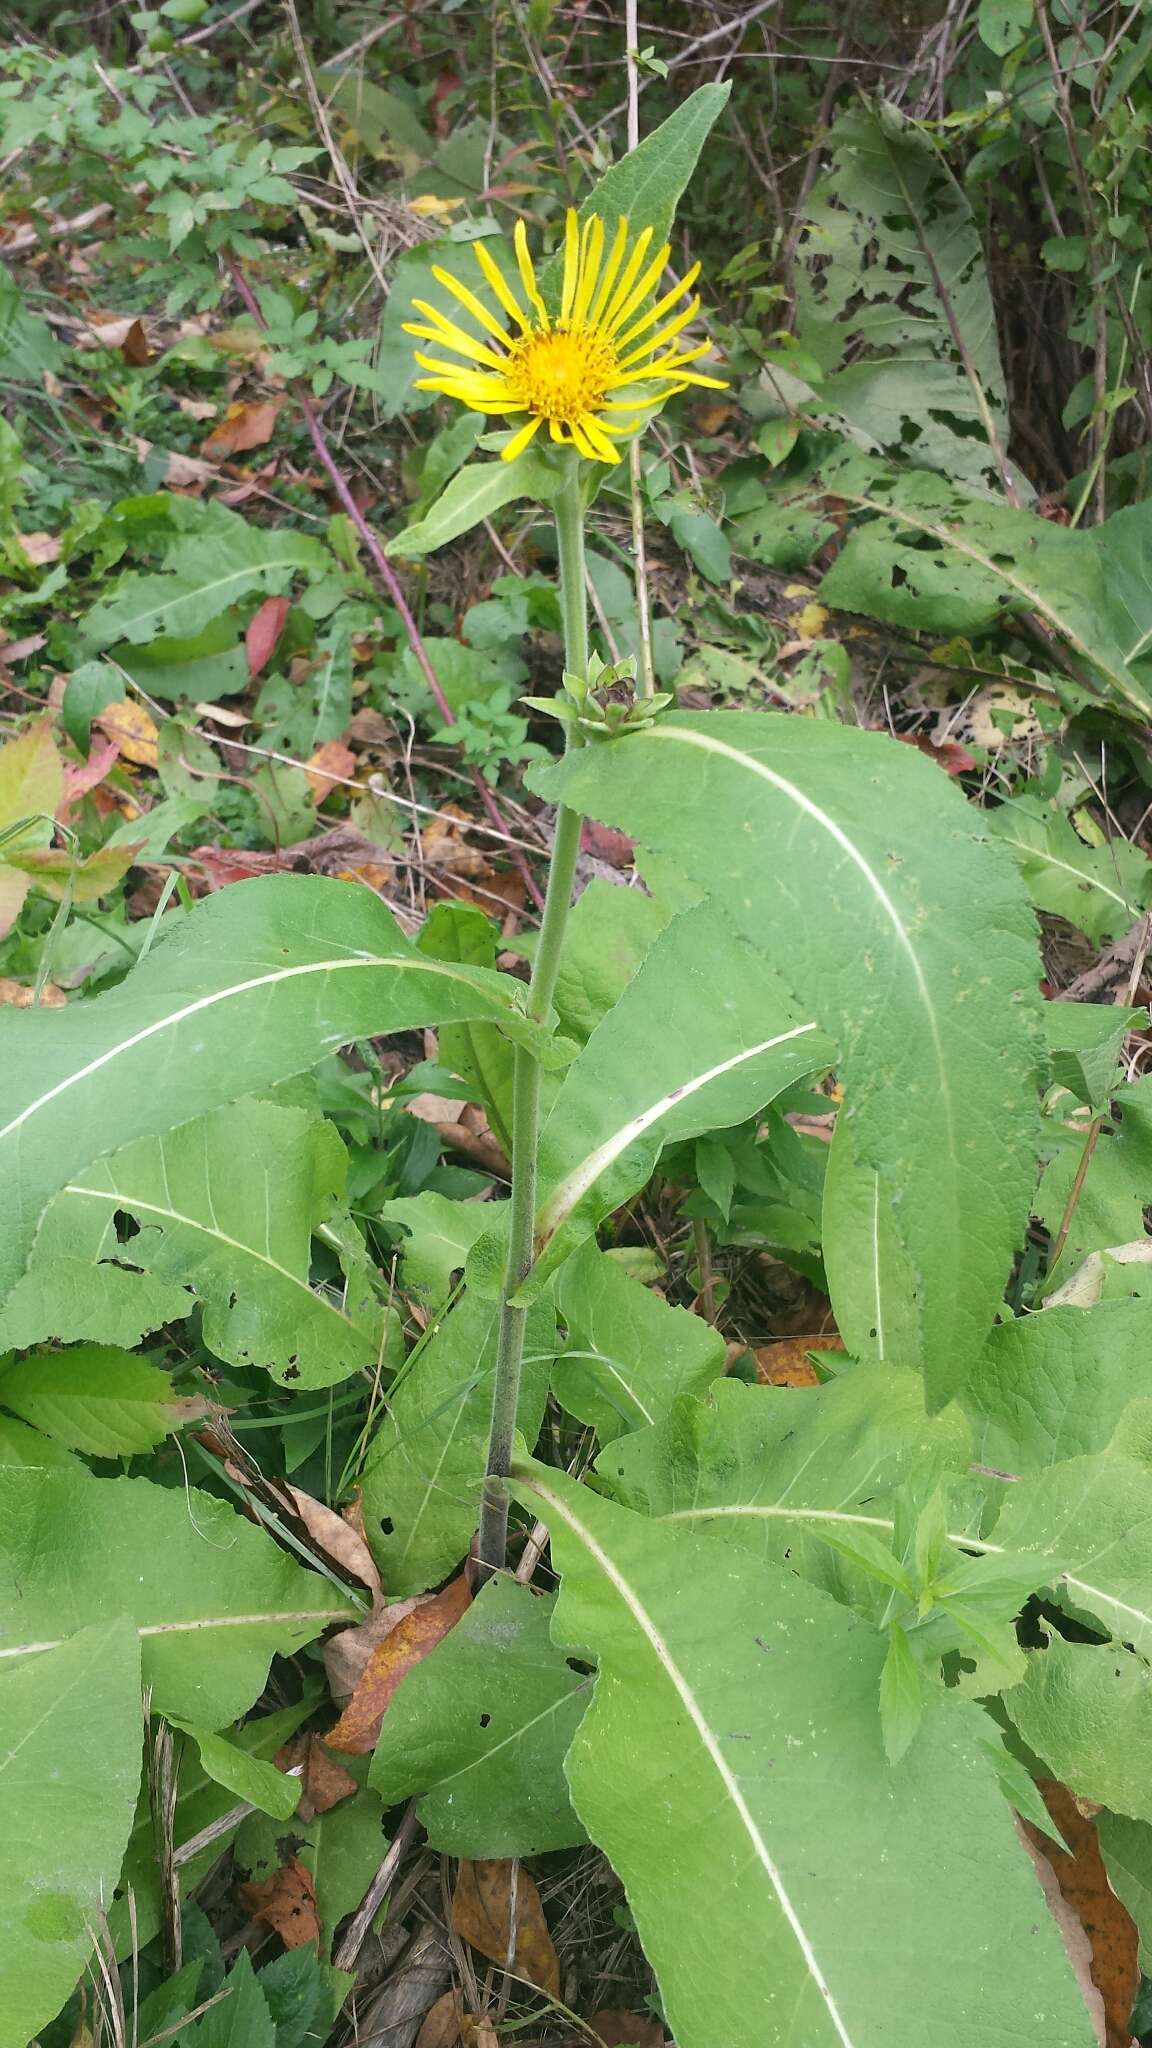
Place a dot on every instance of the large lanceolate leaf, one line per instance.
(857, 871)
(1086, 1708)
(226, 1205)
(70, 1739)
(209, 573)
(892, 275)
(1093, 1517)
(422, 1479)
(480, 1728)
(211, 1596)
(1054, 1385)
(628, 1354)
(703, 1035)
(788, 1885)
(260, 982)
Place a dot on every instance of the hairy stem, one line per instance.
(493, 1538)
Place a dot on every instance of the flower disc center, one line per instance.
(562, 374)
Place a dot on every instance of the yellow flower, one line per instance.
(590, 373)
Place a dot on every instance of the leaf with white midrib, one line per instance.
(788, 1885)
(855, 868)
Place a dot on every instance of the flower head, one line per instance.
(591, 372)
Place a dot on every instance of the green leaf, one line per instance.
(893, 301)
(441, 1235)
(226, 1205)
(1086, 1708)
(209, 573)
(1094, 1515)
(1085, 1041)
(479, 1729)
(1126, 1846)
(475, 493)
(89, 690)
(20, 1445)
(245, 1776)
(211, 1596)
(873, 1556)
(421, 1481)
(628, 1352)
(634, 1088)
(96, 1399)
(240, 2019)
(859, 869)
(647, 184)
(901, 1696)
(1099, 889)
(871, 1282)
(342, 1848)
(70, 1298)
(412, 279)
(260, 982)
(609, 932)
(1003, 24)
(477, 1052)
(70, 1738)
(1109, 1208)
(1055, 1384)
(702, 1771)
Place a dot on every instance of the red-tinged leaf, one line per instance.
(221, 867)
(286, 1902)
(324, 1783)
(482, 1915)
(242, 427)
(332, 765)
(264, 630)
(617, 2029)
(409, 1642)
(81, 776)
(947, 754)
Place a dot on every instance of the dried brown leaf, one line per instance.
(285, 1902)
(405, 1645)
(1098, 1931)
(243, 426)
(617, 2028)
(481, 1915)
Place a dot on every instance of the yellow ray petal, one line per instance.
(590, 255)
(661, 340)
(528, 276)
(623, 308)
(606, 315)
(660, 308)
(608, 277)
(461, 374)
(450, 336)
(592, 441)
(469, 301)
(571, 264)
(519, 442)
(559, 432)
(501, 289)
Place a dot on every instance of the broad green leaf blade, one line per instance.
(421, 1481)
(609, 932)
(260, 982)
(783, 1898)
(647, 184)
(1109, 1210)
(1099, 889)
(226, 1205)
(20, 1445)
(1095, 1515)
(1126, 1846)
(342, 1848)
(893, 301)
(96, 1399)
(478, 1052)
(858, 870)
(245, 1776)
(1086, 1709)
(871, 1283)
(772, 1469)
(209, 573)
(628, 1352)
(726, 1039)
(70, 1740)
(479, 1731)
(1055, 1384)
(70, 1298)
(212, 1598)
(440, 1235)
(475, 493)
(240, 2019)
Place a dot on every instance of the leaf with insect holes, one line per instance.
(1101, 890)
(479, 1732)
(70, 1746)
(861, 872)
(701, 1769)
(1055, 1384)
(98, 1399)
(226, 1206)
(212, 1598)
(730, 1039)
(1093, 1515)
(1086, 1709)
(262, 981)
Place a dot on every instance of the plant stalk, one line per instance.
(493, 1538)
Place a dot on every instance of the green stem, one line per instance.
(493, 1540)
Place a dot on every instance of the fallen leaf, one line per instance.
(221, 867)
(197, 408)
(82, 776)
(947, 754)
(22, 995)
(603, 842)
(617, 2029)
(242, 427)
(338, 1539)
(126, 334)
(285, 1902)
(264, 630)
(180, 471)
(1105, 1956)
(38, 548)
(443, 844)
(346, 1654)
(19, 650)
(481, 1915)
(786, 1362)
(323, 1782)
(403, 1647)
(443, 2023)
(332, 765)
(55, 870)
(375, 874)
(132, 729)
(223, 714)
